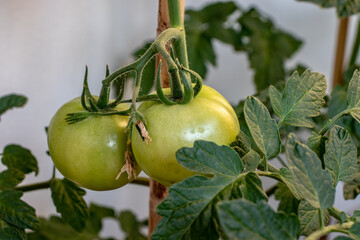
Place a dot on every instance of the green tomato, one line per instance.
(208, 117)
(90, 152)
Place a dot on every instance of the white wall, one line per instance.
(45, 45)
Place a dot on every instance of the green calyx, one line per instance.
(182, 89)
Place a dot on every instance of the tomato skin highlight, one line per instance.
(208, 117)
(90, 152)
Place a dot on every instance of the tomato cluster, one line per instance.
(91, 152)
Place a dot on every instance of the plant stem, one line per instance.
(356, 47)
(282, 161)
(35, 186)
(343, 228)
(332, 122)
(142, 181)
(334, 212)
(44, 185)
(176, 13)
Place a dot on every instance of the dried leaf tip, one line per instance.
(144, 133)
(128, 167)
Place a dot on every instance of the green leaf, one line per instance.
(131, 226)
(353, 92)
(312, 181)
(148, 75)
(16, 212)
(288, 203)
(288, 180)
(251, 161)
(55, 228)
(344, 8)
(262, 127)
(187, 211)
(69, 202)
(242, 144)
(309, 218)
(10, 101)
(251, 188)
(8, 232)
(302, 98)
(241, 219)
(202, 27)
(355, 230)
(352, 188)
(267, 47)
(353, 96)
(276, 99)
(337, 101)
(340, 156)
(17, 157)
(316, 143)
(201, 52)
(96, 215)
(10, 178)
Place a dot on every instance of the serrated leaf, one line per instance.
(10, 178)
(344, 8)
(340, 156)
(302, 98)
(187, 211)
(276, 99)
(312, 181)
(251, 161)
(262, 127)
(8, 232)
(267, 47)
(287, 202)
(241, 219)
(10, 101)
(309, 218)
(251, 188)
(131, 226)
(16, 212)
(15, 156)
(204, 25)
(69, 202)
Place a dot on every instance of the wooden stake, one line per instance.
(158, 192)
(340, 52)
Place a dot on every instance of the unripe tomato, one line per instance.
(208, 117)
(90, 152)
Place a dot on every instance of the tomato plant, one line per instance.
(91, 152)
(208, 117)
(188, 137)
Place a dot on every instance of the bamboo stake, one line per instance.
(340, 52)
(158, 192)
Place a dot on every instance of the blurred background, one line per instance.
(45, 45)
